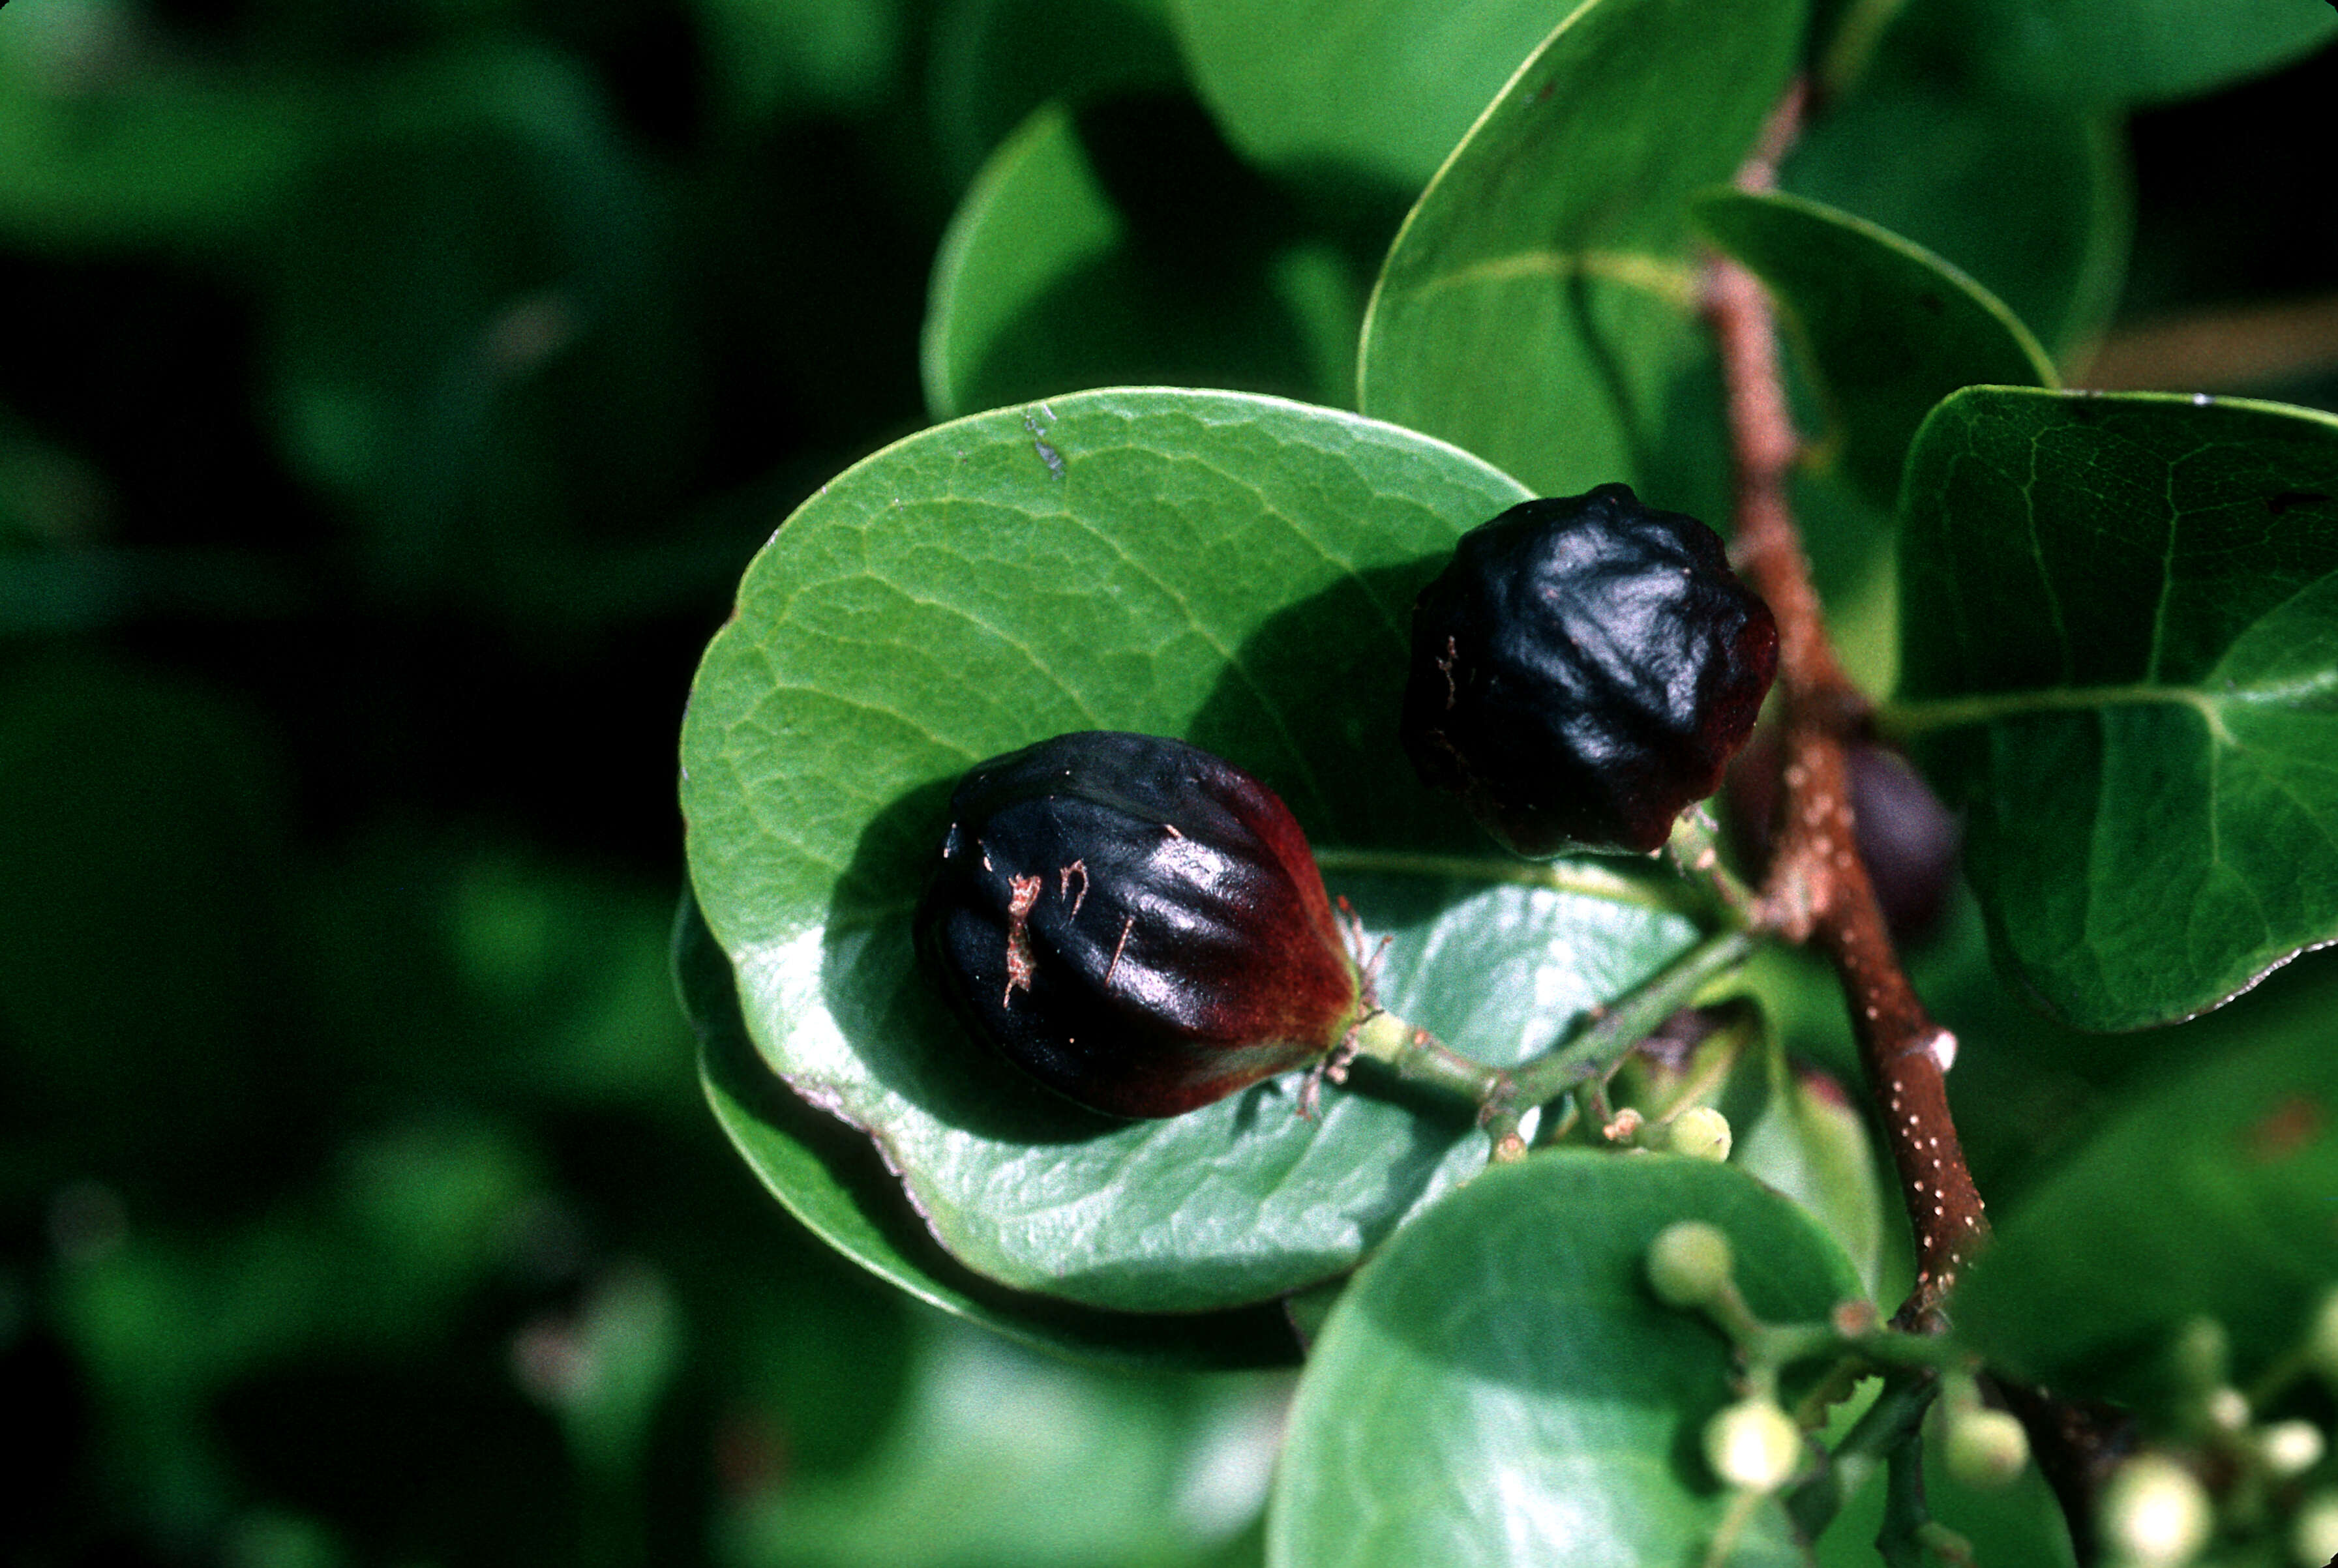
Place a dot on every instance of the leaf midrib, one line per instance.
(1907, 720)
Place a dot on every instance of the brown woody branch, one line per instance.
(1818, 889)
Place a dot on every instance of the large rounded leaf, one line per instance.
(2120, 647)
(2029, 197)
(1234, 570)
(1124, 242)
(1888, 328)
(2217, 1194)
(2122, 51)
(1540, 306)
(830, 1178)
(1381, 86)
(1499, 1387)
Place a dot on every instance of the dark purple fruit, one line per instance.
(1908, 841)
(1136, 923)
(1583, 669)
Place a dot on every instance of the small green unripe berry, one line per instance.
(2290, 1448)
(1753, 1445)
(2155, 1513)
(1984, 1448)
(1700, 1133)
(2226, 1409)
(2314, 1537)
(2322, 1340)
(2201, 1353)
(1688, 1263)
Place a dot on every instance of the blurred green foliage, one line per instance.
(389, 394)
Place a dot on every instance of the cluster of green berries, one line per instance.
(2271, 1476)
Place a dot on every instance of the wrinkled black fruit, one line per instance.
(1136, 923)
(1582, 669)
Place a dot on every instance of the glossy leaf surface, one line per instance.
(830, 1177)
(1126, 245)
(2211, 1195)
(1235, 570)
(1538, 305)
(1501, 1387)
(2120, 646)
(2125, 51)
(1888, 328)
(2029, 197)
(1810, 1141)
(1381, 86)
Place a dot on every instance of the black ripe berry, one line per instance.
(1582, 669)
(1136, 923)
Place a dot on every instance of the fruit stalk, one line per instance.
(1817, 890)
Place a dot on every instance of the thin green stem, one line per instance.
(1417, 1056)
(1895, 1419)
(1503, 1095)
(1909, 1534)
(1784, 1344)
(1742, 1506)
(1903, 722)
(1695, 847)
(1601, 1049)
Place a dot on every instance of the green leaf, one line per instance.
(2213, 1195)
(144, 826)
(1538, 307)
(1384, 87)
(1232, 570)
(1792, 1126)
(774, 56)
(829, 1176)
(1002, 1457)
(2016, 1523)
(993, 62)
(102, 147)
(2130, 51)
(1499, 1387)
(2120, 641)
(1888, 328)
(2029, 197)
(1811, 1142)
(1125, 246)
(473, 338)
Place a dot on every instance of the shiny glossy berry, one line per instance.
(1136, 923)
(1582, 669)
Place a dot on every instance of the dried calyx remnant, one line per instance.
(1583, 669)
(1137, 924)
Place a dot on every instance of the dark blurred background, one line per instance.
(391, 392)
